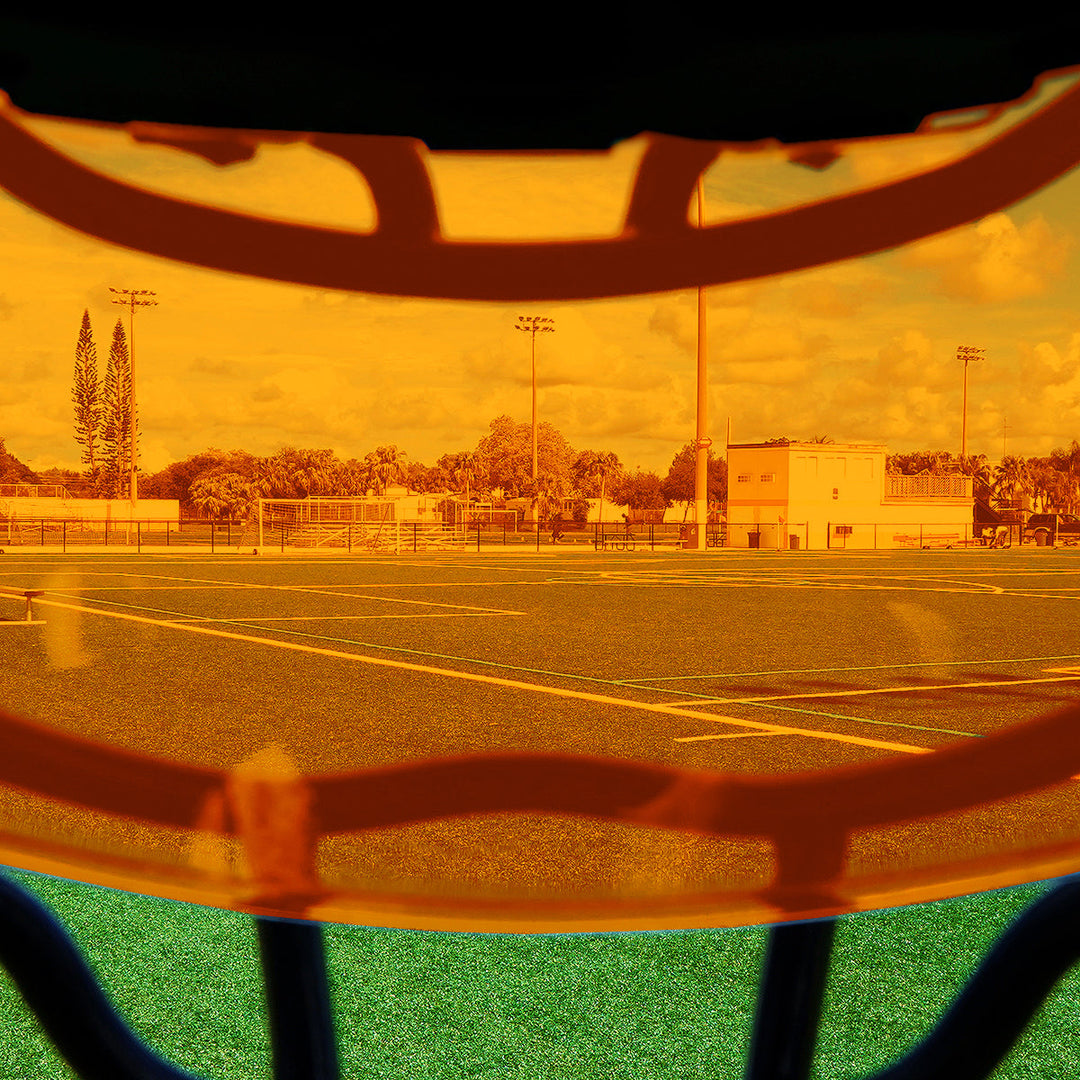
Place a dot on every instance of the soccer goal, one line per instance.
(360, 523)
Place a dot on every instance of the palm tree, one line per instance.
(1046, 485)
(598, 466)
(1011, 476)
(549, 490)
(823, 439)
(296, 474)
(385, 465)
(465, 467)
(218, 494)
(1067, 463)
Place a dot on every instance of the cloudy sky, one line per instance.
(863, 350)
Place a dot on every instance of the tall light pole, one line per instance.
(701, 469)
(534, 324)
(967, 353)
(130, 298)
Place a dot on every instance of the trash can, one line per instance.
(689, 535)
(793, 543)
(755, 539)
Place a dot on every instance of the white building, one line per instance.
(51, 502)
(837, 495)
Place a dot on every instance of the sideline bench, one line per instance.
(22, 594)
(938, 539)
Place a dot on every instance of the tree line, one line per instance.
(220, 484)
(1040, 484)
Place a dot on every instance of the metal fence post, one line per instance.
(538, 535)
(138, 537)
(64, 535)
(42, 532)
(167, 524)
(211, 538)
(478, 537)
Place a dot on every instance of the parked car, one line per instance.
(1049, 529)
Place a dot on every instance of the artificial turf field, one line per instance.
(861, 654)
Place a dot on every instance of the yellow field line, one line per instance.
(313, 586)
(339, 618)
(313, 591)
(492, 680)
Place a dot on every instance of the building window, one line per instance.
(744, 478)
(768, 477)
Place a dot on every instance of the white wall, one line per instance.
(830, 496)
(92, 509)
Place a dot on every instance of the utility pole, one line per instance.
(130, 298)
(967, 353)
(703, 442)
(534, 324)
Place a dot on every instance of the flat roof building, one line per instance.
(838, 495)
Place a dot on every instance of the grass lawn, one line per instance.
(581, 1007)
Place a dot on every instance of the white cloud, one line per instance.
(994, 260)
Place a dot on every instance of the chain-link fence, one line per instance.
(73, 534)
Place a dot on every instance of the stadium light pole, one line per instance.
(703, 442)
(967, 353)
(534, 324)
(131, 300)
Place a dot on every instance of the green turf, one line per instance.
(579, 1007)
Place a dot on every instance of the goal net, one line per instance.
(366, 522)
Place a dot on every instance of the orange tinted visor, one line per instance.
(266, 839)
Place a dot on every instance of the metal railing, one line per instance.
(928, 487)
(33, 491)
(72, 533)
(416, 537)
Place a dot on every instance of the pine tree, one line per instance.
(116, 429)
(86, 395)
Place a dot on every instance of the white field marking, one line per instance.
(994, 589)
(341, 618)
(781, 583)
(355, 585)
(1063, 670)
(493, 680)
(832, 670)
(891, 690)
(21, 622)
(735, 735)
(307, 590)
(1041, 596)
(696, 701)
